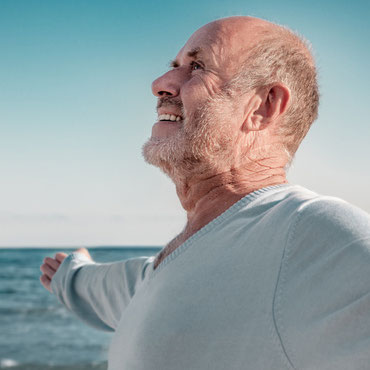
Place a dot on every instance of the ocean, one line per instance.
(36, 331)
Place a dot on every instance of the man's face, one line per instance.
(196, 117)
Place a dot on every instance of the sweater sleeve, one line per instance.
(98, 292)
(322, 306)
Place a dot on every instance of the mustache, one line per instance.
(168, 101)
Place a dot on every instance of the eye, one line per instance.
(195, 66)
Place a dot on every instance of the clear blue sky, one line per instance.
(76, 107)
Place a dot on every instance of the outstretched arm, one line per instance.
(97, 293)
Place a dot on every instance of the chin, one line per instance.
(180, 160)
(163, 153)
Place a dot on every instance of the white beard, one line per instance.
(203, 144)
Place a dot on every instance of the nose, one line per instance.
(166, 85)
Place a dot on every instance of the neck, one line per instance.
(204, 197)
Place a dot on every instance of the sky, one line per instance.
(76, 107)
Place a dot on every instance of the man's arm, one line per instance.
(96, 292)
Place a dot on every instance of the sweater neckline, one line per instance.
(216, 221)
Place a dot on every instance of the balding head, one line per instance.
(266, 54)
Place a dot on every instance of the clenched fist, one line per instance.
(51, 265)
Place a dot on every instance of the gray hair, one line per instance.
(285, 57)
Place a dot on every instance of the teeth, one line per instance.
(169, 117)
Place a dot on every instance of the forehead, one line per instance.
(224, 42)
(206, 41)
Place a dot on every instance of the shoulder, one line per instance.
(310, 212)
(323, 292)
(327, 223)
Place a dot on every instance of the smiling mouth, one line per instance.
(169, 117)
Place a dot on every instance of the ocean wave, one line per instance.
(8, 291)
(29, 310)
(8, 363)
(13, 271)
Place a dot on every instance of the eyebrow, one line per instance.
(193, 53)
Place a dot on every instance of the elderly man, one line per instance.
(265, 275)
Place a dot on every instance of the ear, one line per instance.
(266, 106)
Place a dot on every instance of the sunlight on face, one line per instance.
(204, 141)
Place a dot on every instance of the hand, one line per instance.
(49, 268)
(51, 265)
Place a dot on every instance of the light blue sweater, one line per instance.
(281, 280)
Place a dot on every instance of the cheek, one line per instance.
(197, 92)
(193, 90)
